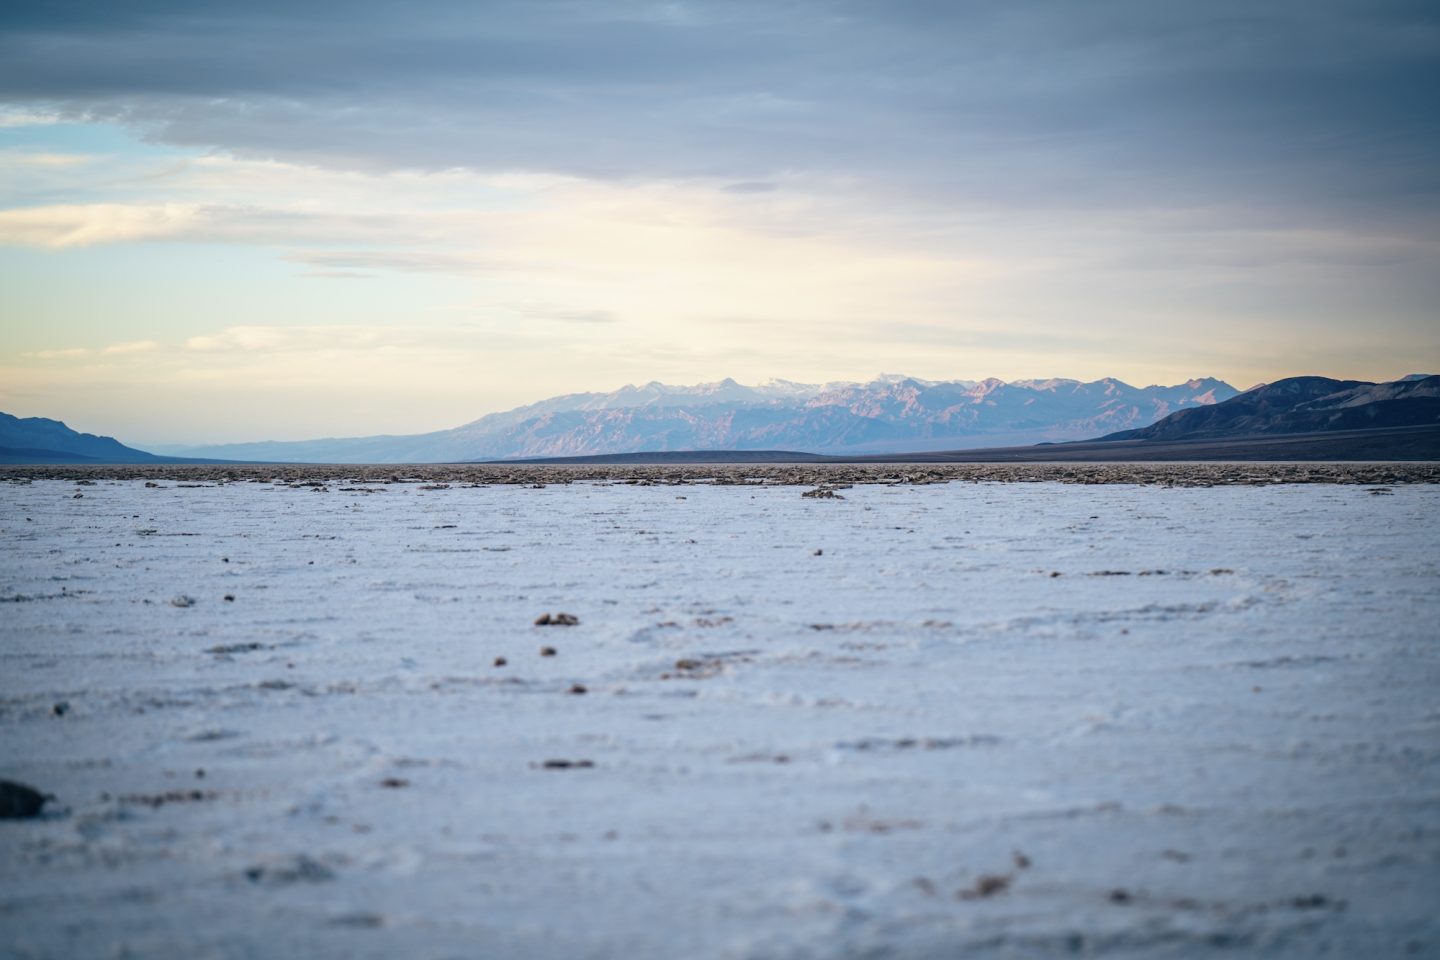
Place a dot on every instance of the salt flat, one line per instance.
(962, 719)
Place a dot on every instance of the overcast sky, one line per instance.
(278, 220)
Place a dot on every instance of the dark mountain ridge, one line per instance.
(41, 440)
(1302, 405)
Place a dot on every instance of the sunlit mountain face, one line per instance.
(889, 413)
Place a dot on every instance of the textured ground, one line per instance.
(1165, 474)
(1190, 718)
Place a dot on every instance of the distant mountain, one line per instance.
(890, 413)
(38, 440)
(1303, 405)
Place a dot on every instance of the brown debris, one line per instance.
(986, 885)
(157, 800)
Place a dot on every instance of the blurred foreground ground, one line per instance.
(1188, 718)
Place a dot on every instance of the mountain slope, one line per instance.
(890, 413)
(1302, 405)
(39, 440)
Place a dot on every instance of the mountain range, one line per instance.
(1298, 418)
(1303, 405)
(890, 413)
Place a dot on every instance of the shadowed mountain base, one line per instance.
(1389, 443)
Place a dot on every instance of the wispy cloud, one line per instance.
(404, 261)
(335, 275)
(242, 338)
(134, 346)
(751, 186)
(39, 159)
(560, 314)
(12, 117)
(67, 353)
(79, 225)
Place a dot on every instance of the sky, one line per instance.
(227, 221)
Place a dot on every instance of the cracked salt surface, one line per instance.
(985, 720)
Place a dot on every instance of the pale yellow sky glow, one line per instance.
(461, 293)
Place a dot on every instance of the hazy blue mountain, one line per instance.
(38, 440)
(1304, 405)
(890, 413)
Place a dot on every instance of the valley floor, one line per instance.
(908, 721)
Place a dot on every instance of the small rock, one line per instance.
(230, 597)
(394, 783)
(501, 661)
(17, 801)
(157, 800)
(547, 651)
(988, 885)
(1120, 895)
(60, 709)
(578, 688)
(297, 869)
(1312, 902)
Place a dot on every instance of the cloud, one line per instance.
(241, 338)
(977, 187)
(1316, 109)
(335, 275)
(560, 314)
(134, 346)
(67, 353)
(27, 158)
(751, 186)
(26, 118)
(79, 225)
(405, 261)
(292, 341)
